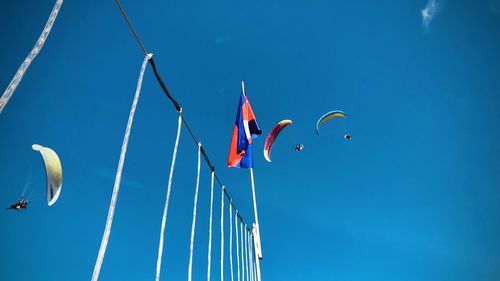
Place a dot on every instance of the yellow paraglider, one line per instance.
(327, 116)
(53, 171)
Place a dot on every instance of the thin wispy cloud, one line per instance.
(429, 12)
(222, 39)
(126, 182)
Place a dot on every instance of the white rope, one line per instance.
(222, 235)
(191, 246)
(249, 258)
(31, 56)
(252, 273)
(246, 254)
(242, 253)
(118, 177)
(231, 240)
(237, 245)
(165, 210)
(210, 226)
(255, 261)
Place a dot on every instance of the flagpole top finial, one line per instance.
(243, 86)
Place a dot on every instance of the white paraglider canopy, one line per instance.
(53, 171)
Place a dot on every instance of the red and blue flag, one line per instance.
(245, 129)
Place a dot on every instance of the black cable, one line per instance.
(207, 160)
(163, 86)
(151, 61)
(131, 27)
(179, 109)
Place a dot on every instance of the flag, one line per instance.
(245, 129)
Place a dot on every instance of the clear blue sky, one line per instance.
(415, 195)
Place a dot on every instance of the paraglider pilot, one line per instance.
(299, 147)
(20, 204)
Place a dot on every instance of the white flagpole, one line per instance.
(257, 238)
(257, 260)
(257, 230)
